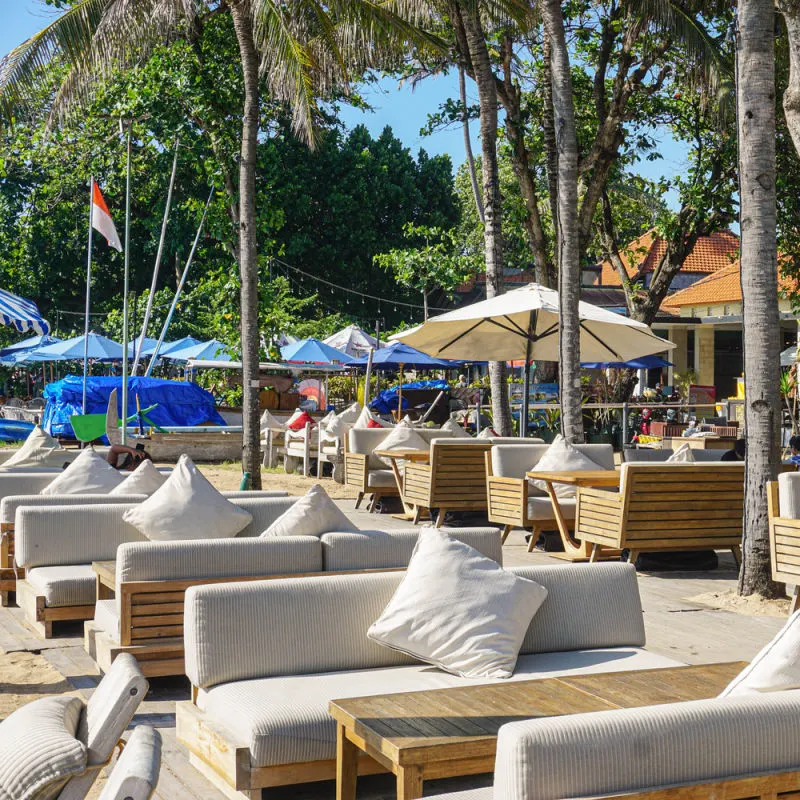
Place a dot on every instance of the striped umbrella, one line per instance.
(22, 314)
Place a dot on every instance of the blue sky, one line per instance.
(401, 108)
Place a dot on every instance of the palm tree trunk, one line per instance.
(791, 95)
(248, 248)
(492, 209)
(759, 271)
(473, 178)
(549, 131)
(567, 233)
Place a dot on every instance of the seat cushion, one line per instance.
(64, 585)
(542, 507)
(107, 617)
(381, 479)
(487, 793)
(285, 720)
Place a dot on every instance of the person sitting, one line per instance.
(127, 458)
(737, 453)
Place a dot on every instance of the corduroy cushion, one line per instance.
(458, 610)
(135, 775)
(563, 456)
(68, 585)
(89, 473)
(683, 455)
(402, 437)
(453, 427)
(39, 450)
(776, 667)
(312, 515)
(145, 479)
(789, 494)
(39, 750)
(187, 506)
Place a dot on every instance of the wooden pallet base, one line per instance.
(225, 761)
(40, 617)
(156, 658)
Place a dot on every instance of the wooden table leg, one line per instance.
(346, 766)
(408, 510)
(573, 549)
(409, 782)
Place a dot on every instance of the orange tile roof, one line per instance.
(724, 286)
(709, 254)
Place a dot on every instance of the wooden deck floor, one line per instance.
(675, 626)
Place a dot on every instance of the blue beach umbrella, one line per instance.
(644, 362)
(147, 349)
(313, 351)
(22, 314)
(100, 349)
(398, 355)
(28, 344)
(213, 350)
(178, 344)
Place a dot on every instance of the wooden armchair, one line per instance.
(784, 532)
(662, 507)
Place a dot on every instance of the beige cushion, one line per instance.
(789, 494)
(39, 450)
(39, 750)
(542, 508)
(487, 433)
(268, 422)
(89, 473)
(402, 437)
(458, 609)
(187, 506)
(454, 428)
(561, 456)
(66, 585)
(135, 775)
(683, 455)
(381, 479)
(145, 479)
(312, 515)
(776, 666)
(285, 719)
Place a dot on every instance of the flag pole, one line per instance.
(125, 290)
(88, 296)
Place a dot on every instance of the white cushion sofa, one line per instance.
(156, 574)
(732, 747)
(514, 501)
(56, 546)
(265, 658)
(651, 454)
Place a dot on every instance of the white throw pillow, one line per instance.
(327, 419)
(683, 455)
(312, 515)
(487, 433)
(187, 506)
(366, 415)
(350, 414)
(402, 437)
(775, 668)
(562, 456)
(145, 479)
(458, 610)
(454, 428)
(89, 473)
(39, 450)
(38, 748)
(268, 422)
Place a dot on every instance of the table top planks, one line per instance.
(106, 571)
(405, 454)
(589, 477)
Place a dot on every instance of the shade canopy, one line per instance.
(22, 314)
(645, 362)
(100, 348)
(313, 351)
(30, 343)
(524, 323)
(213, 349)
(147, 348)
(352, 340)
(178, 344)
(789, 356)
(398, 354)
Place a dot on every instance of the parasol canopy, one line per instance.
(22, 314)
(352, 340)
(100, 349)
(313, 351)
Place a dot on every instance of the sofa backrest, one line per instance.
(646, 454)
(704, 455)
(264, 509)
(392, 549)
(513, 461)
(365, 440)
(9, 505)
(789, 495)
(18, 483)
(613, 752)
(239, 631)
(515, 440)
(708, 477)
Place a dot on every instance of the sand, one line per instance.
(226, 477)
(752, 606)
(25, 677)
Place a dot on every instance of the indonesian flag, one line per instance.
(101, 219)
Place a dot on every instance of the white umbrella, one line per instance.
(523, 325)
(352, 340)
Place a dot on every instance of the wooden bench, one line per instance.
(663, 507)
(455, 479)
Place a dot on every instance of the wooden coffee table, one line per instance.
(447, 732)
(106, 572)
(573, 549)
(395, 456)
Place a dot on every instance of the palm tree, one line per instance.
(296, 50)
(759, 263)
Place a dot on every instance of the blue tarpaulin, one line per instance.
(386, 401)
(178, 403)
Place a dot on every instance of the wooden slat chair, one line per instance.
(513, 501)
(454, 480)
(665, 507)
(783, 503)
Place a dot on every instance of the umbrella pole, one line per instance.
(526, 381)
(400, 397)
(369, 375)
(126, 288)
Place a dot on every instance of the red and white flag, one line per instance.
(101, 219)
